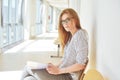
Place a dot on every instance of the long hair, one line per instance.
(64, 36)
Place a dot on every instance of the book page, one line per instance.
(36, 65)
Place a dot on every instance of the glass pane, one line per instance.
(50, 18)
(39, 13)
(19, 30)
(5, 35)
(5, 15)
(50, 14)
(12, 11)
(19, 11)
(5, 11)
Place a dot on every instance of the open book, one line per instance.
(36, 65)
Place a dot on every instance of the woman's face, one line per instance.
(68, 22)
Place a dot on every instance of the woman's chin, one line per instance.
(67, 30)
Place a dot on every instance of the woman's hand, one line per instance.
(52, 69)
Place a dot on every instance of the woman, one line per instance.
(74, 43)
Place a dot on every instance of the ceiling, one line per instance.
(61, 4)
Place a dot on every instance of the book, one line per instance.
(36, 65)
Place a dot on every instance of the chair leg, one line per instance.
(82, 76)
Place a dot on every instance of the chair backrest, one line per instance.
(82, 75)
(93, 74)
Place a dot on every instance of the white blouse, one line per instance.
(76, 50)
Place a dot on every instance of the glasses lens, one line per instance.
(65, 21)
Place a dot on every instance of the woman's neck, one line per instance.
(74, 31)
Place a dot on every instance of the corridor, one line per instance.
(40, 50)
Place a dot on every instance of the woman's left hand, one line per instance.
(52, 69)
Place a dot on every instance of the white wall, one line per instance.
(75, 4)
(102, 20)
(108, 39)
(87, 19)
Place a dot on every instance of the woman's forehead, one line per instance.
(65, 15)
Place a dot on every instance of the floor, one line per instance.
(13, 60)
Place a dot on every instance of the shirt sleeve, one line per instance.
(81, 47)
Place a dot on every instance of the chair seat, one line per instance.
(93, 74)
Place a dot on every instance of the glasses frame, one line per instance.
(66, 21)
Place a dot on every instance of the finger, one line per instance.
(50, 65)
(48, 69)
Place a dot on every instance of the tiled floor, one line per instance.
(13, 60)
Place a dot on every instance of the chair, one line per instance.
(82, 75)
(93, 74)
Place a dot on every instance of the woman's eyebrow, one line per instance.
(66, 18)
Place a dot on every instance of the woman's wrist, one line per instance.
(63, 70)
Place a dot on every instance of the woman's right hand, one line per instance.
(52, 69)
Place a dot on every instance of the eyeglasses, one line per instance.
(66, 21)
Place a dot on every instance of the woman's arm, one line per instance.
(60, 62)
(72, 68)
(52, 69)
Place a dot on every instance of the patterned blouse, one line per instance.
(76, 49)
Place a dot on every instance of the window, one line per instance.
(12, 29)
(50, 18)
(39, 14)
(50, 14)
